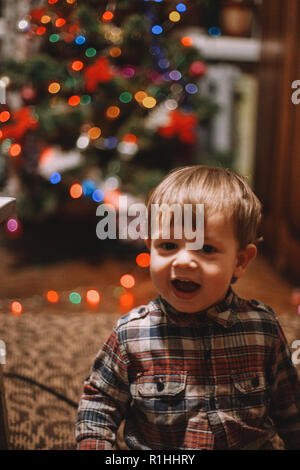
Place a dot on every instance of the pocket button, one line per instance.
(160, 386)
(255, 381)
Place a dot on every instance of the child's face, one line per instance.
(208, 271)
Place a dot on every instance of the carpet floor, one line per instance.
(48, 356)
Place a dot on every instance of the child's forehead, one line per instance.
(215, 224)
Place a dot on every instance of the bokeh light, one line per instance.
(74, 100)
(54, 87)
(15, 150)
(76, 191)
(93, 297)
(113, 112)
(187, 41)
(127, 281)
(75, 298)
(12, 225)
(94, 133)
(52, 296)
(143, 260)
(126, 301)
(16, 308)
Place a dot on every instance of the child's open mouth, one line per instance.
(185, 286)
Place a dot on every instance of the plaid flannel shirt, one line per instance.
(220, 379)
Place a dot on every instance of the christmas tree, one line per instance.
(108, 103)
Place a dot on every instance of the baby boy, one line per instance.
(198, 367)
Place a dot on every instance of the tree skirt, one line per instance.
(48, 356)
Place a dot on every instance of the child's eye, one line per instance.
(208, 249)
(168, 246)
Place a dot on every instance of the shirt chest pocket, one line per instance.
(160, 397)
(251, 396)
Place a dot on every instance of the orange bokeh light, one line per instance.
(107, 16)
(127, 281)
(74, 100)
(16, 308)
(4, 116)
(60, 22)
(115, 51)
(186, 41)
(15, 150)
(126, 301)
(143, 260)
(112, 112)
(76, 191)
(40, 30)
(129, 138)
(52, 296)
(77, 65)
(92, 297)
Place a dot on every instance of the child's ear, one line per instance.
(243, 259)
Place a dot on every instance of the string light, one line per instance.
(12, 225)
(214, 31)
(187, 41)
(115, 52)
(74, 100)
(107, 16)
(60, 22)
(174, 16)
(45, 19)
(40, 30)
(112, 112)
(149, 102)
(77, 65)
(75, 298)
(140, 96)
(98, 195)
(80, 39)
(126, 301)
(94, 133)
(181, 7)
(127, 281)
(54, 38)
(55, 178)
(4, 116)
(15, 150)
(90, 52)
(157, 29)
(125, 97)
(16, 308)
(93, 297)
(143, 260)
(76, 191)
(52, 296)
(54, 87)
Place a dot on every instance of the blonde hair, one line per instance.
(220, 190)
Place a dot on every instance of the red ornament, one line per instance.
(22, 121)
(181, 124)
(99, 72)
(197, 69)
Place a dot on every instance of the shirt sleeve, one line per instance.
(285, 399)
(105, 398)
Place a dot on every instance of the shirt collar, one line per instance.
(223, 312)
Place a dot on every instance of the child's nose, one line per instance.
(186, 259)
